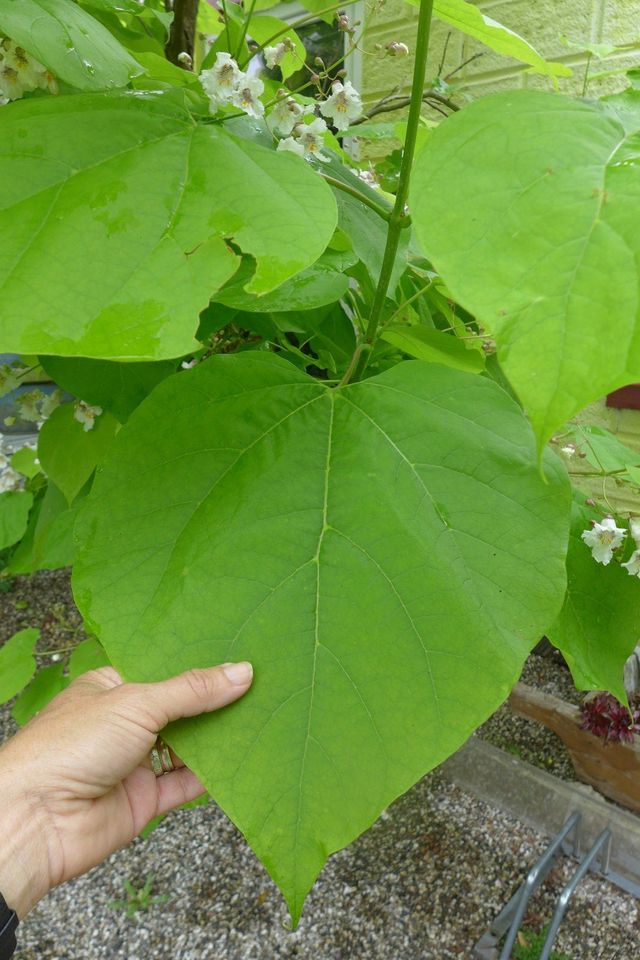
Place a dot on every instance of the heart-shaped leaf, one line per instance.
(69, 42)
(385, 554)
(114, 216)
(527, 204)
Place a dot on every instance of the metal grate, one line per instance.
(509, 920)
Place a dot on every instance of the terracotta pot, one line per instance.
(612, 768)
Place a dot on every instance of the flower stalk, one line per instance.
(399, 217)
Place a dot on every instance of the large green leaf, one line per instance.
(598, 627)
(116, 387)
(14, 516)
(527, 204)
(70, 42)
(470, 20)
(17, 664)
(114, 216)
(385, 554)
(68, 453)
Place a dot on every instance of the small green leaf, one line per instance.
(317, 286)
(48, 541)
(130, 179)
(47, 683)
(470, 20)
(385, 554)
(14, 516)
(25, 462)
(17, 664)
(68, 453)
(88, 655)
(434, 346)
(69, 42)
(603, 450)
(597, 629)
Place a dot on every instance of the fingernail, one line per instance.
(239, 673)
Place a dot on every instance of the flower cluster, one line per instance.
(605, 717)
(225, 84)
(85, 414)
(20, 73)
(10, 479)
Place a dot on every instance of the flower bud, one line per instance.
(319, 62)
(185, 60)
(397, 49)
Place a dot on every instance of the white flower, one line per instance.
(569, 450)
(85, 414)
(9, 379)
(286, 114)
(246, 96)
(29, 404)
(634, 527)
(50, 402)
(343, 106)
(604, 538)
(273, 55)
(20, 73)
(10, 479)
(311, 136)
(291, 146)
(633, 564)
(188, 364)
(221, 81)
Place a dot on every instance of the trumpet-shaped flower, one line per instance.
(632, 565)
(247, 94)
(20, 73)
(289, 145)
(343, 106)
(604, 538)
(273, 55)
(286, 115)
(85, 414)
(221, 81)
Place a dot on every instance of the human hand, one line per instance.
(76, 782)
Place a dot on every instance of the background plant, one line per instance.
(307, 422)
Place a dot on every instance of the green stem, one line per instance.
(398, 214)
(245, 26)
(309, 18)
(382, 211)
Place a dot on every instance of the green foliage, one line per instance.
(47, 682)
(262, 29)
(72, 44)
(24, 461)
(68, 453)
(264, 544)
(115, 387)
(138, 899)
(88, 655)
(17, 663)
(530, 944)
(118, 193)
(48, 541)
(597, 629)
(14, 516)
(434, 346)
(550, 242)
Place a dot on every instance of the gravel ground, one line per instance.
(424, 882)
(532, 741)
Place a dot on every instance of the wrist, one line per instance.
(24, 866)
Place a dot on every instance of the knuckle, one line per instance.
(201, 682)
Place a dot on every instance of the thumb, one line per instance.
(200, 690)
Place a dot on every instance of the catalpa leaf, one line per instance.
(526, 203)
(116, 213)
(385, 554)
(68, 41)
